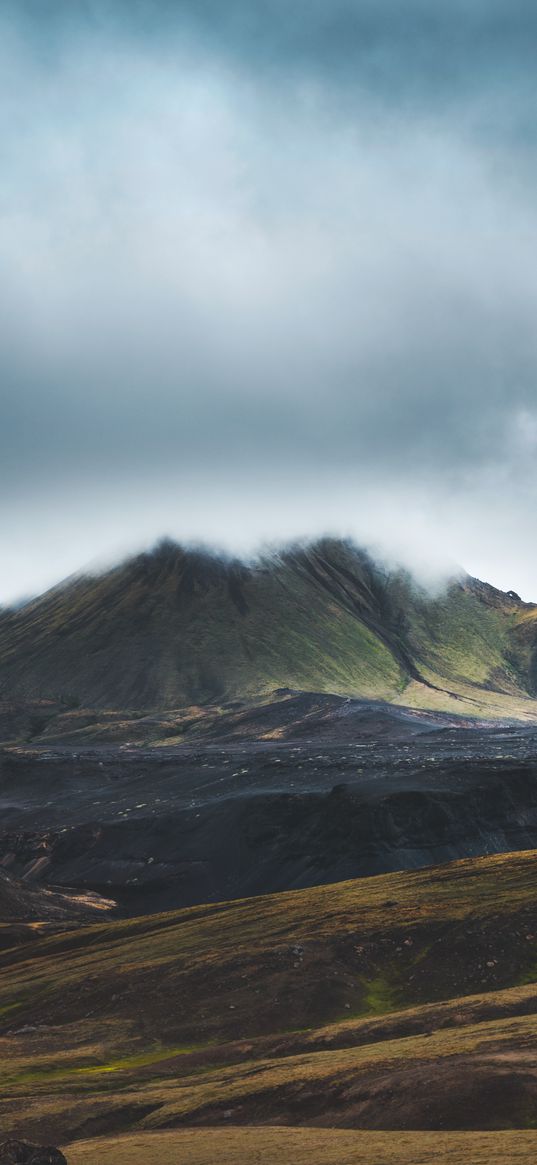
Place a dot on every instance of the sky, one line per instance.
(268, 271)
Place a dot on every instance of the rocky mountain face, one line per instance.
(177, 627)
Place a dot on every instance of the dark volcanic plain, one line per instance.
(158, 828)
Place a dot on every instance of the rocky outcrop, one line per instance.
(24, 1153)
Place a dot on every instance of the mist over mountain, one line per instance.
(176, 627)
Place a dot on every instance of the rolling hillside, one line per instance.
(176, 628)
(403, 1002)
(273, 1146)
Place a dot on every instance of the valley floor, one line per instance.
(160, 828)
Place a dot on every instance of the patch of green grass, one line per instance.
(529, 975)
(380, 996)
(9, 1008)
(70, 1069)
(141, 1059)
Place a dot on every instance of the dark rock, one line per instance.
(23, 1153)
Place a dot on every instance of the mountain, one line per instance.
(174, 628)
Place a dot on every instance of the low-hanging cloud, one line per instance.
(267, 270)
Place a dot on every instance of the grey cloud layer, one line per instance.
(268, 249)
(412, 45)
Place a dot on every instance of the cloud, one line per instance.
(267, 271)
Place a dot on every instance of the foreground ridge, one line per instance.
(403, 1001)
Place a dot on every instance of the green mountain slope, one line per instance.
(175, 627)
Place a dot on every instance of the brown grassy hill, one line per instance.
(276, 1146)
(399, 1002)
(174, 627)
